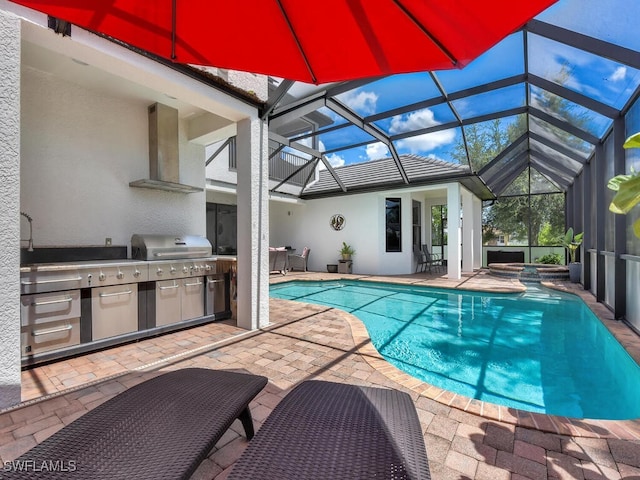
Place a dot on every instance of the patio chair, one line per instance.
(299, 262)
(278, 260)
(431, 259)
(421, 260)
(162, 428)
(333, 430)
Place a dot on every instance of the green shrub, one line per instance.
(551, 259)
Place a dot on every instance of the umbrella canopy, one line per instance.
(314, 42)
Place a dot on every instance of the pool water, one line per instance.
(541, 351)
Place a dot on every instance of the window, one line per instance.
(439, 229)
(417, 224)
(222, 227)
(392, 225)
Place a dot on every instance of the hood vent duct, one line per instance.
(164, 164)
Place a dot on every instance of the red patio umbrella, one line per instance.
(312, 41)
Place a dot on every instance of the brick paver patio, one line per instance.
(314, 342)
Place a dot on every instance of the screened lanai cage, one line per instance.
(539, 121)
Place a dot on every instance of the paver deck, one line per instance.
(465, 439)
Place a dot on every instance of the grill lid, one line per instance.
(169, 247)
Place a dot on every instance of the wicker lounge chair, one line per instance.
(299, 262)
(160, 429)
(325, 430)
(278, 260)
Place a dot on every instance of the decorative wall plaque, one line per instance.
(337, 221)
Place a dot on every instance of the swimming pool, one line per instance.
(541, 351)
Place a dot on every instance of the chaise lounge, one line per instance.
(159, 429)
(326, 430)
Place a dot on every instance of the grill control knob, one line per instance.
(172, 270)
(136, 273)
(120, 275)
(196, 268)
(208, 268)
(102, 277)
(159, 272)
(185, 269)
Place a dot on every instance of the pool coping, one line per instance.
(589, 428)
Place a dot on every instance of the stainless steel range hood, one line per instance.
(164, 163)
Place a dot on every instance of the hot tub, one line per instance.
(535, 272)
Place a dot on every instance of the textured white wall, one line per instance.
(308, 225)
(80, 150)
(9, 208)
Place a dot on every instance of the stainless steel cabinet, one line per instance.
(168, 301)
(216, 294)
(114, 310)
(50, 321)
(178, 300)
(192, 298)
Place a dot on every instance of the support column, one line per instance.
(620, 225)
(10, 212)
(253, 224)
(477, 233)
(453, 231)
(468, 228)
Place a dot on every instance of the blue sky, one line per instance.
(587, 74)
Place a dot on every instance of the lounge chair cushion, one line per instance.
(159, 429)
(326, 430)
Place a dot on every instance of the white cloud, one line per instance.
(420, 143)
(377, 150)
(414, 121)
(334, 159)
(429, 141)
(619, 74)
(364, 103)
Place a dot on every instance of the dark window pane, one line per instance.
(393, 233)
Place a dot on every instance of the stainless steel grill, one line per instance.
(169, 247)
(181, 267)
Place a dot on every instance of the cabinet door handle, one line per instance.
(66, 328)
(209, 282)
(175, 285)
(192, 254)
(51, 302)
(126, 292)
(192, 284)
(54, 280)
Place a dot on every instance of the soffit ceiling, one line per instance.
(550, 92)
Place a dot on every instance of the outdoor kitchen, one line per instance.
(71, 307)
(113, 203)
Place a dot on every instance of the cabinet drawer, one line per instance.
(53, 335)
(48, 307)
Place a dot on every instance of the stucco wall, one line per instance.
(308, 225)
(10, 217)
(80, 150)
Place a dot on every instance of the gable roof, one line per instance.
(383, 174)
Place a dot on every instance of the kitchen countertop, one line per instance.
(66, 266)
(61, 266)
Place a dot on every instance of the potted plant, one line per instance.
(346, 251)
(571, 242)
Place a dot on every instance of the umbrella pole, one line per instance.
(173, 29)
